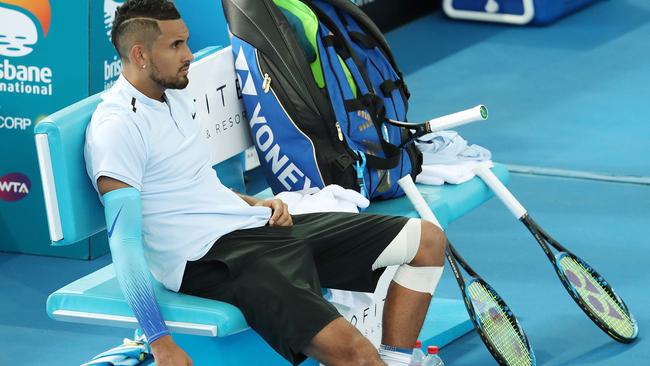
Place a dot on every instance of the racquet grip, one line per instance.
(483, 171)
(478, 113)
(420, 205)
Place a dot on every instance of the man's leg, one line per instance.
(348, 248)
(295, 311)
(405, 309)
(271, 277)
(339, 343)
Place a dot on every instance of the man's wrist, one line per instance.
(252, 201)
(161, 342)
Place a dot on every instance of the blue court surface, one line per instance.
(571, 96)
(569, 107)
(602, 223)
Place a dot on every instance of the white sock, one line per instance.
(393, 356)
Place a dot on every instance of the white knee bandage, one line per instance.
(401, 251)
(403, 248)
(420, 279)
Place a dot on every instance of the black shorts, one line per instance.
(274, 274)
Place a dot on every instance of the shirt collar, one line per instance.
(125, 85)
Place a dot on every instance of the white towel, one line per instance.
(429, 180)
(332, 198)
(447, 158)
(449, 173)
(129, 353)
(448, 147)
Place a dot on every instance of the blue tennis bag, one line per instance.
(321, 88)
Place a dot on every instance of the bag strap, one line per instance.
(369, 102)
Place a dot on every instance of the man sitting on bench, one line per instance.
(168, 214)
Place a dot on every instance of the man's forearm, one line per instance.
(123, 210)
(249, 199)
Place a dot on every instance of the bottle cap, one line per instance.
(418, 344)
(432, 350)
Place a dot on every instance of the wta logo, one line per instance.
(20, 21)
(14, 187)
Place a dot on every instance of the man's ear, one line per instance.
(138, 56)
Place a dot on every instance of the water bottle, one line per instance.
(418, 356)
(432, 358)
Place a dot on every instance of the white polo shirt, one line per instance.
(158, 148)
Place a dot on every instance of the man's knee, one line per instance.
(431, 251)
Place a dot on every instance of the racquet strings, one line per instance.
(600, 302)
(499, 326)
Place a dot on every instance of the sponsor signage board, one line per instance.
(51, 55)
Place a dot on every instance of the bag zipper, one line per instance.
(339, 132)
(266, 83)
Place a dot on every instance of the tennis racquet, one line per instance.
(478, 113)
(588, 288)
(493, 319)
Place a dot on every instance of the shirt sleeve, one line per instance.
(115, 148)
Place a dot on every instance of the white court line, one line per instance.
(577, 174)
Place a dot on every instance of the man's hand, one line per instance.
(167, 353)
(281, 216)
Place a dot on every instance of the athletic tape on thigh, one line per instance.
(420, 279)
(403, 248)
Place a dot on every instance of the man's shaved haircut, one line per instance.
(136, 21)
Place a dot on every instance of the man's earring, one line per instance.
(144, 66)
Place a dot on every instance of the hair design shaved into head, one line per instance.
(136, 21)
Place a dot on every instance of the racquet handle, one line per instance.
(478, 113)
(483, 171)
(420, 205)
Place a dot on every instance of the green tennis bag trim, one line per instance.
(305, 23)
